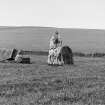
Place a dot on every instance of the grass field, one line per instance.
(40, 84)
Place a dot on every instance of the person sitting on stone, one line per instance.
(19, 57)
(55, 41)
(55, 45)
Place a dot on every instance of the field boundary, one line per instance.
(78, 54)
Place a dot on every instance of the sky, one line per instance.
(53, 13)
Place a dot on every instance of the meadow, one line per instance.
(39, 84)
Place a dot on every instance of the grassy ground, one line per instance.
(40, 84)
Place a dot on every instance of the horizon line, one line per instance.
(19, 26)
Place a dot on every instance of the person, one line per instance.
(54, 48)
(19, 57)
(55, 41)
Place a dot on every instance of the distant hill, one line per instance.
(37, 38)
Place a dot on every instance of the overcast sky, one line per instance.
(53, 13)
